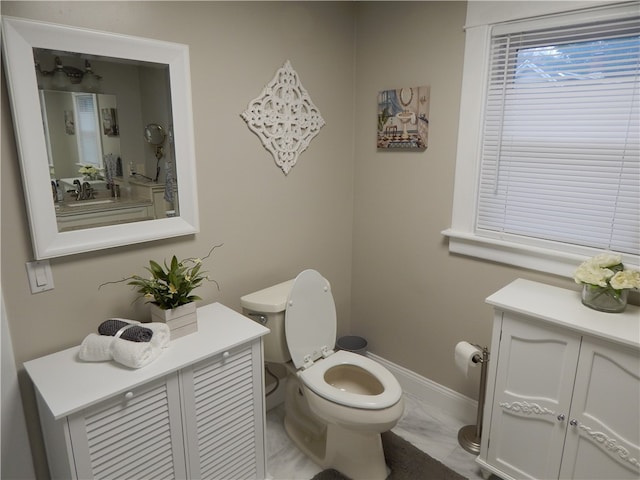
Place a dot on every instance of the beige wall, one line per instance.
(272, 226)
(411, 298)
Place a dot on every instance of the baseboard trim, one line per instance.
(455, 404)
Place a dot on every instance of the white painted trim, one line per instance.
(488, 12)
(455, 404)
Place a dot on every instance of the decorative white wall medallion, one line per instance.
(284, 117)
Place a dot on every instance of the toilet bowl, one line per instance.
(336, 403)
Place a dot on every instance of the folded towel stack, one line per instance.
(133, 354)
(128, 331)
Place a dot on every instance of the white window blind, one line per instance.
(561, 137)
(88, 135)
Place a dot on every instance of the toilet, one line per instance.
(337, 403)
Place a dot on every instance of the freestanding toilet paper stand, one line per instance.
(469, 436)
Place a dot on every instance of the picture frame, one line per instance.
(403, 118)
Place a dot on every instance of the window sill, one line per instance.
(540, 259)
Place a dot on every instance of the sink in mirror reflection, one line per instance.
(67, 183)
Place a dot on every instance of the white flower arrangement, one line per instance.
(88, 171)
(606, 271)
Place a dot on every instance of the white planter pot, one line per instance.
(181, 320)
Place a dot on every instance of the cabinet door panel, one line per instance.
(534, 383)
(605, 442)
(225, 394)
(133, 436)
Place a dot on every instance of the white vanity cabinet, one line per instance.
(196, 412)
(563, 390)
(105, 214)
(155, 193)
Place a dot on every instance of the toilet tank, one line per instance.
(269, 304)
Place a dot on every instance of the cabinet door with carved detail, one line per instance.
(534, 382)
(603, 436)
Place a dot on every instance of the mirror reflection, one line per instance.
(102, 170)
(155, 136)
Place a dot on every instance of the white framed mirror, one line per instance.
(116, 196)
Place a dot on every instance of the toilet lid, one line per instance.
(310, 318)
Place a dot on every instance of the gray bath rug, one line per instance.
(405, 461)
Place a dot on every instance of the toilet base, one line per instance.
(356, 454)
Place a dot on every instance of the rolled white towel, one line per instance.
(161, 333)
(95, 348)
(133, 354)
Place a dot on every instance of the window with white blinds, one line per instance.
(87, 129)
(560, 157)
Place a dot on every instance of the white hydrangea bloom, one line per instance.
(625, 279)
(604, 260)
(592, 274)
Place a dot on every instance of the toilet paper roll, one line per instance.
(464, 356)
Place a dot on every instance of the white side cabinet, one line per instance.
(563, 390)
(197, 412)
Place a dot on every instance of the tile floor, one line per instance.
(432, 430)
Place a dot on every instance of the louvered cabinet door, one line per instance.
(135, 435)
(224, 407)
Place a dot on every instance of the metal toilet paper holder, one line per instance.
(469, 435)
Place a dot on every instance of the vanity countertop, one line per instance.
(138, 181)
(100, 203)
(564, 307)
(68, 384)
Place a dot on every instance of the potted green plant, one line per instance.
(169, 291)
(605, 282)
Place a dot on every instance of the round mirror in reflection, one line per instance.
(154, 134)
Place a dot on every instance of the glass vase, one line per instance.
(604, 299)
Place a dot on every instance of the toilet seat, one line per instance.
(314, 379)
(310, 326)
(310, 319)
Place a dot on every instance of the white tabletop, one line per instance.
(67, 384)
(564, 307)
